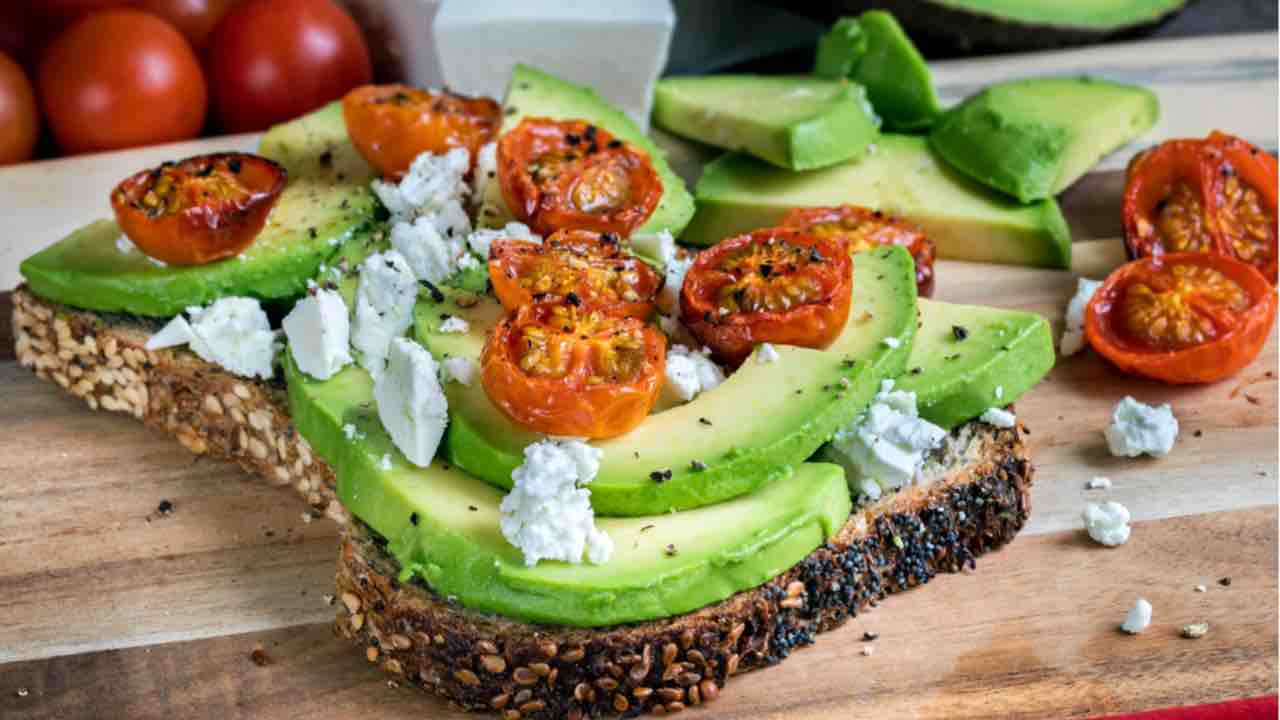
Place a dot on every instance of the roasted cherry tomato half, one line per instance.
(1214, 195)
(571, 174)
(392, 124)
(863, 229)
(1188, 317)
(198, 210)
(776, 285)
(579, 267)
(566, 370)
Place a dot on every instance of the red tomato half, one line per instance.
(393, 124)
(863, 229)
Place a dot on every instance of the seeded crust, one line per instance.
(484, 662)
(100, 358)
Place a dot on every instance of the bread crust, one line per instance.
(479, 661)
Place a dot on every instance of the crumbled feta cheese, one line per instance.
(673, 281)
(766, 354)
(432, 256)
(411, 403)
(125, 245)
(486, 170)
(675, 331)
(999, 417)
(1099, 483)
(690, 372)
(1138, 618)
(385, 296)
(233, 332)
(481, 240)
(891, 342)
(432, 182)
(459, 369)
(886, 443)
(1137, 428)
(867, 489)
(468, 262)
(455, 324)
(1073, 330)
(658, 246)
(349, 431)
(385, 462)
(547, 514)
(319, 333)
(1107, 523)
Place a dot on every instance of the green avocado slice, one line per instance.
(763, 421)
(326, 202)
(968, 358)
(1033, 138)
(966, 220)
(794, 122)
(443, 526)
(534, 93)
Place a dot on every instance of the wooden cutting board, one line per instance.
(109, 609)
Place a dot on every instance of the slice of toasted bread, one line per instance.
(977, 500)
(101, 358)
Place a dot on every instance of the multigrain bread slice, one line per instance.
(101, 358)
(978, 499)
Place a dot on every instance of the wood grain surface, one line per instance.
(110, 609)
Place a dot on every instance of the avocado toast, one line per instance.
(730, 548)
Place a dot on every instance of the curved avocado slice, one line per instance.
(764, 420)
(967, 220)
(443, 527)
(534, 93)
(794, 122)
(968, 358)
(1033, 138)
(326, 202)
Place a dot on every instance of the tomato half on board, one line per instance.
(392, 124)
(862, 229)
(566, 370)
(571, 174)
(1190, 317)
(1213, 195)
(579, 267)
(198, 210)
(776, 285)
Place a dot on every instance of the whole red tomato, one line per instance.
(273, 60)
(19, 122)
(121, 78)
(195, 19)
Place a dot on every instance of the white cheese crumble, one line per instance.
(1099, 483)
(675, 331)
(233, 332)
(459, 369)
(999, 417)
(432, 182)
(455, 324)
(885, 444)
(411, 403)
(672, 282)
(766, 354)
(1107, 523)
(481, 240)
(690, 372)
(433, 255)
(319, 333)
(125, 245)
(1136, 429)
(1073, 330)
(485, 171)
(660, 246)
(385, 295)
(891, 342)
(1138, 617)
(547, 514)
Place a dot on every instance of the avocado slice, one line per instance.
(326, 202)
(443, 526)
(967, 358)
(754, 428)
(794, 122)
(902, 176)
(872, 49)
(534, 93)
(1033, 138)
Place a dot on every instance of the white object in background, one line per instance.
(617, 47)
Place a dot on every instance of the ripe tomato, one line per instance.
(863, 229)
(392, 124)
(1213, 195)
(195, 19)
(571, 174)
(19, 121)
(578, 267)
(198, 210)
(776, 285)
(121, 78)
(1187, 317)
(273, 60)
(570, 371)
